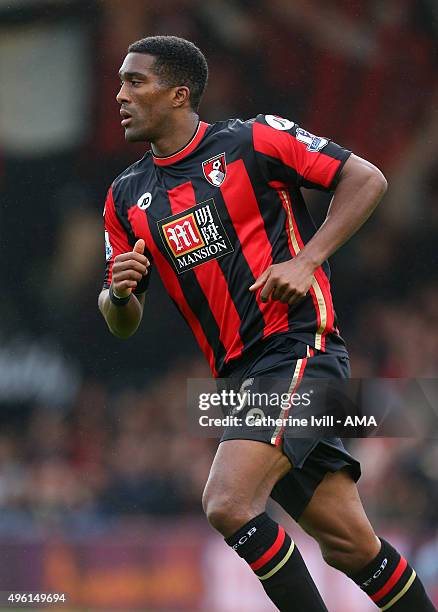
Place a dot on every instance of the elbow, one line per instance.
(366, 176)
(122, 334)
(375, 184)
(379, 182)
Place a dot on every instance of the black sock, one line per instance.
(392, 584)
(277, 563)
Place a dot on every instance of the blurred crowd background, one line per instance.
(93, 430)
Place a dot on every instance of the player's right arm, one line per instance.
(122, 298)
(128, 270)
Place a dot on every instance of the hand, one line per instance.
(287, 282)
(129, 269)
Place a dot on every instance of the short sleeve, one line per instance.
(117, 241)
(288, 153)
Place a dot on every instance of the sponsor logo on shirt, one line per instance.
(194, 236)
(215, 169)
(144, 201)
(314, 143)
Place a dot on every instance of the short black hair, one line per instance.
(178, 62)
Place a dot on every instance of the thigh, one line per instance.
(335, 516)
(328, 455)
(246, 470)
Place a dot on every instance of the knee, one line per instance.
(225, 513)
(339, 554)
(350, 554)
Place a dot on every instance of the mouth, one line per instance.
(126, 117)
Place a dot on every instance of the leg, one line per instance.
(336, 519)
(241, 478)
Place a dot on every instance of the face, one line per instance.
(145, 103)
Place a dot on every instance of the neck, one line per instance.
(176, 137)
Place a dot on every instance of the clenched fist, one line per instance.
(128, 270)
(287, 282)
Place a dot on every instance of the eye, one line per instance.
(135, 83)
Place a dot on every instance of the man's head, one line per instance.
(159, 75)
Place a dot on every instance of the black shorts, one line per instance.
(284, 358)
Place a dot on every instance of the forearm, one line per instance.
(359, 190)
(122, 321)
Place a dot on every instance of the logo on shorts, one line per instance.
(215, 169)
(314, 143)
(244, 393)
(279, 123)
(194, 236)
(255, 416)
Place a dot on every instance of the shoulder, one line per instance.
(233, 134)
(264, 125)
(274, 121)
(132, 174)
(124, 188)
(267, 127)
(235, 127)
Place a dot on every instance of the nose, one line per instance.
(122, 96)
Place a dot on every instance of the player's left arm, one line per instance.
(360, 188)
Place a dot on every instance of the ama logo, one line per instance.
(215, 169)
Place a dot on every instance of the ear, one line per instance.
(181, 96)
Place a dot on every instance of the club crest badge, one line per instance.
(215, 169)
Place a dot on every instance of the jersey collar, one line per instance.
(186, 150)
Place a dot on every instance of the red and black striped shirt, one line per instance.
(215, 215)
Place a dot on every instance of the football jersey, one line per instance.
(215, 215)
